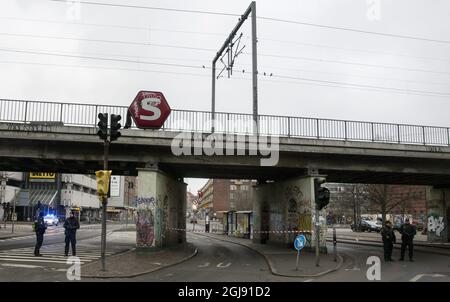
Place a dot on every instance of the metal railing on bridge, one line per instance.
(21, 111)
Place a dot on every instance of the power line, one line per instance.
(150, 29)
(213, 50)
(356, 30)
(188, 74)
(102, 59)
(107, 41)
(264, 18)
(432, 93)
(240, 67)
(103, 67)
(349, 63)
(409, 91)
(114, 26)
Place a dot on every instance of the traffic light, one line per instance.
(103, 126)
(115, 127)
(102, 177)
(321, 194)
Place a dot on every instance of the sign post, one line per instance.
(299, 244)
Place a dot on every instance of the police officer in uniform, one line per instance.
(388, 236)
(408, 231)
(71, 225)
(39, 228)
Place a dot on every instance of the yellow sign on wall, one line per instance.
(40, 175)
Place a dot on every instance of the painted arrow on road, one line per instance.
(416, 278)
(223, 266)
(204, 265)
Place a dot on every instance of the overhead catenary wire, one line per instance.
(430, 93)
(262, 18)
(213, 50)
(150, 29)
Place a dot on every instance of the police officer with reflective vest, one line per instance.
(408, 232)
(39, 228)
(71, 225)
(388, 236)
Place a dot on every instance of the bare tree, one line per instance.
(384, 198)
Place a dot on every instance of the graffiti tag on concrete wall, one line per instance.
(145, 225)
(436, 224)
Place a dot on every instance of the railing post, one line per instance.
(448, 136)
(398, 133)
(26, 110)
(289, 126)
(95, 117)
(423, 134)
(317, 123)
(61, 113)
(228, 122)
(373, 135)
(345, 130)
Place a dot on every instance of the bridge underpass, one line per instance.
(56, 147)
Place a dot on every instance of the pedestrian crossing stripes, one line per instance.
(52, 255)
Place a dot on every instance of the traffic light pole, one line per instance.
(317, 236)
(104, 204)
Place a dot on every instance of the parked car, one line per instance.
(51, 220)
(366, 226)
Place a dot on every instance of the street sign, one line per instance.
(114, 186)
(299, 242)
(149, 110)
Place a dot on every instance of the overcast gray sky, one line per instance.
(406, 64)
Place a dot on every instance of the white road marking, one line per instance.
(416, 278)
(156, 263)
(223, 266)
(22, 265)
(204, 265)
(308, 280)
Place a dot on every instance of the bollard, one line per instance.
(334, 244)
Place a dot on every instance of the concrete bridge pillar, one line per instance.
(161, 210)
(438, 214)
(283, 209)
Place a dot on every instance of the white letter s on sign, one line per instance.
(147, 105)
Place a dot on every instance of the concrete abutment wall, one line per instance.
(161, 210)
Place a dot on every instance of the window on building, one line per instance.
(233, 187)
(231, 195)
(244, 188)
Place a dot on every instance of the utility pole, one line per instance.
(103, 177)
(104, 205)
(228, 44)
(317, 235)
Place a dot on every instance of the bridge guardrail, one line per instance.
(23, 111)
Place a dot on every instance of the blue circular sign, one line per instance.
(299, 242)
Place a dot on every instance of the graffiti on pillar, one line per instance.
(145, 225)
(293, 191)
(436, 224)
(292, 219)
(163, 215)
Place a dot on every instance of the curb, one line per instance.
(377, 244)
(416, 243)
(272, 269)
(145, 272)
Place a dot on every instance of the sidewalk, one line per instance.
(281, 260)
(345, 235)
(133, 263)
(19, 230)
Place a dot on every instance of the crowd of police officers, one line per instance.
(407, 230)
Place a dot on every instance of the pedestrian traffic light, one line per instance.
(102, 177)
(103, 126)
(321, 194)
(115, 127)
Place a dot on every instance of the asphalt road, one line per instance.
(17, 262)
(220, 261)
